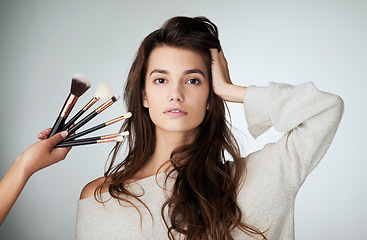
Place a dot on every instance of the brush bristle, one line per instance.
(103, 91)
(115, 97)
(128, 115)
(120, 139)
(126, 133)
(79, 84)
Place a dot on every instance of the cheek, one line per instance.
(201, 97)
(153, 102)
(153, 99)
(200, 102)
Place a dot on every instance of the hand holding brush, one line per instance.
(117, 137)
(38, 156)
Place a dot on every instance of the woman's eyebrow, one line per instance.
(194, 71)
(158, 71)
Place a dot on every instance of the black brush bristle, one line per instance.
(115, 98)
(79, 85)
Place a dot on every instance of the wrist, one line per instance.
(21, 168)
(232, 93)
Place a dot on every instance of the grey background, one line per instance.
(43, 43)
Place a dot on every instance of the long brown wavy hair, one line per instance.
(203, 204)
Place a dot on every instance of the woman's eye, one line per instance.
(193, 81)
(160, 80)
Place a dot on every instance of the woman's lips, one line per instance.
(175, 111)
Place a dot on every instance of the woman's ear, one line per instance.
(145, 101)
(145, 104)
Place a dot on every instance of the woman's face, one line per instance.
(176, 89)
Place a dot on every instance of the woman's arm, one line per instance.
(308, 117)
(38, 156)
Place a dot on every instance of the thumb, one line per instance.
(57, 138)
(214, 54)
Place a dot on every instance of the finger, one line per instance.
(224, 64)
(57, 138)
(223, 59)
(44, 134)
(41, 135)
(214, 54)
(221, 54)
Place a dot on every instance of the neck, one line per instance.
(166, 142)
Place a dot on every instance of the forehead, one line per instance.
(175, 59)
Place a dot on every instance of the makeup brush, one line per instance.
(89, 117)
(97, 127)
(90, 140)
(103, 139)
(126, 133)
(103, 92)
(79, 85)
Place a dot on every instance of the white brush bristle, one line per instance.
(103, 91)
(82, 78)
(128, 115)
(120, 139)
(126, 133)
(115, 97)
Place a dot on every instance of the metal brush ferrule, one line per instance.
(68, 106)
(111, 136)
(90, 103)
(107, 140)
(104, 106)
(115, 120)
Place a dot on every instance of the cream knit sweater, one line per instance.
(309, 119)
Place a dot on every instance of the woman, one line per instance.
(174, 181)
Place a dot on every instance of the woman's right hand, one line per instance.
(222, 84)
(42, 153)
(39, 155)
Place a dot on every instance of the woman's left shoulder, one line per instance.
(89, 189)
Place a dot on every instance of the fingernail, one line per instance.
(64, 134)
(39, 135)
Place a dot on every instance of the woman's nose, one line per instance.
(176, 93)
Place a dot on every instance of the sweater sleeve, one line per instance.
(308, 117)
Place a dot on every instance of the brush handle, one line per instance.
(84, 139)
(71, 121)
(92, 129)
(72, 138)
(57, 126)
(64, 113)
(83, 110)
(75, 143)
(82, 122)
(97, 138)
